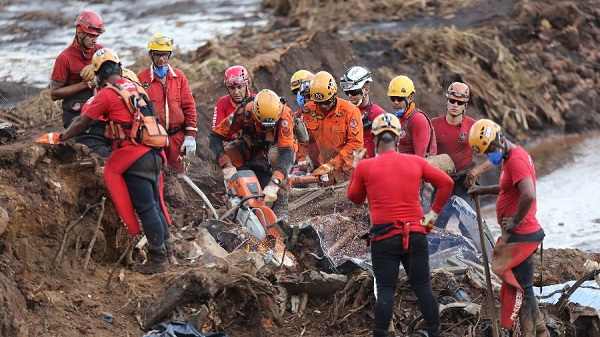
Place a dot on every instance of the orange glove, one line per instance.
(51, 138)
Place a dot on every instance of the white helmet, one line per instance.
(355, 78)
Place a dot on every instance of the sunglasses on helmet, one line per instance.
(163, 41)
(453, 101)
(354, 92)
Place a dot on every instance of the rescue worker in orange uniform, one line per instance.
(336, 125)
(73, 80)
(237, 82)
(172, 98)
(133, 172)
(399, 229)
(452, 133)
(356, 83)
(308, 152)
(516, 207)
(264, 144)
(417, 133)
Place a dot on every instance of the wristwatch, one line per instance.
(276, 181)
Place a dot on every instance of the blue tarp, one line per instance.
(179, 328)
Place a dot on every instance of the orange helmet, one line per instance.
(458, 91)
(267, 107)
(322, 87)
(104, 55)
(386, 122)
(482, 134)
(90, 22)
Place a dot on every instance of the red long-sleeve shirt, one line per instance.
(372, 110)
(392, 182)
(176, 94)
(418, 134)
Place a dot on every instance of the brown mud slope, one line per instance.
(532, 65)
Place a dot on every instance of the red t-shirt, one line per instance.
(107, 105)
(417, 133)
(374, 110)
(69, 63)
(394, 196)
(454, 140)
(517, 167)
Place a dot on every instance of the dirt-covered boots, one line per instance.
(527, 322)
(157, 261)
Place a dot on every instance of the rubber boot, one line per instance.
(380, 333)
(540, 326)
(171, 252)
(157, 261)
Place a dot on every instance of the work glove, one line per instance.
(228, 172)
(51, 138)
(322, 170)
(271, 192)
(87, 73)
(429, 219)
(189, 145)
(359, 155)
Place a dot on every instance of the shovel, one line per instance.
(486, 266)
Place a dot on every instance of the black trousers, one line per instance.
(142, 180)
(387, 255)
(524, 271)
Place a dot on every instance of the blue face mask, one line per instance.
(161, 71)
(400, 113)
(495, 157)
(300, 99)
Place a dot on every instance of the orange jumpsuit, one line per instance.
(337, 133)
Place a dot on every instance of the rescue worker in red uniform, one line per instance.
(73, 80)
(264, 144)
(399, 229)
(133, 173)
(356, 83)
(336, 125)
(237, 82)
(308, 152)
(172, 99)
(452, 133)
(512, 258)
(417, 133)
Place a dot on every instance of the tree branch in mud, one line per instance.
(58, 257)
(88, 253)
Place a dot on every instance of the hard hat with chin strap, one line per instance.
(322, 87)
(458, 91)
(160, 42)
(104, 55)
(299, 77)
(355, 78)
(401, 86)
(267, 107)
(386, 122)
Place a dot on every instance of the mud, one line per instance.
(46, 190)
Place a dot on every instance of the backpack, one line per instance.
(144, 128)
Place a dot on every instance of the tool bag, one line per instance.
(144, 128)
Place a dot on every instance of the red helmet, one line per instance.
(90, 22)
(236, 75)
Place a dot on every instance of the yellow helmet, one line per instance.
(401, 86)
(104, 55)
(160, 42)
(482, 134)
(130, 75)
(299, 77)
(386, 122)
(267, 107)
(322, 87)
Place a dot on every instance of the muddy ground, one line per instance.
(531, 64)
